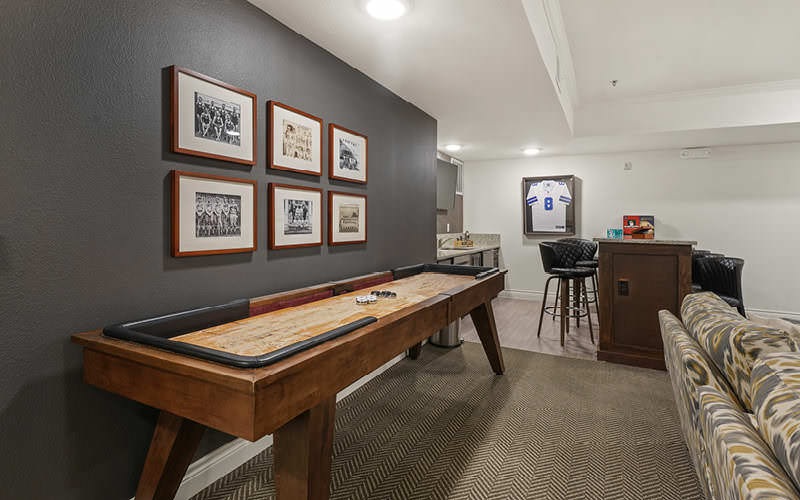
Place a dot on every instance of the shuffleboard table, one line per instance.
(273, 365)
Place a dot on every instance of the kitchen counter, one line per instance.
(450, 253)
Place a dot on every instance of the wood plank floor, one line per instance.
(517, 321)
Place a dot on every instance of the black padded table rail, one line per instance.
(159, 331)
(477, 271)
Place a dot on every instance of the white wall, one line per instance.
(743, 202)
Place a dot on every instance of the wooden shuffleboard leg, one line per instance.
(483, 318)
(303, 450)
(415, 350)
(174, 443)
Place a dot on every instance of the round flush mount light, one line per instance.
(531, 151)
(386, 10)
(453, 147)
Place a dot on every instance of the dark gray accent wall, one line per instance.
(84, 206)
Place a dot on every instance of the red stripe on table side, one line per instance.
(372, 282)
(283, 304)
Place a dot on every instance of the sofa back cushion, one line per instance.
(731, 341)
(776, 404)
(689, 369)
(743, 465)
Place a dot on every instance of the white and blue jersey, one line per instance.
(548, 200)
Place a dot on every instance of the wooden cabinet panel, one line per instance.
(638, 279)
(642, 284)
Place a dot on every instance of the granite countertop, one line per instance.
(449, 254)
(646, 242)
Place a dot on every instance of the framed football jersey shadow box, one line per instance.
(548, 205)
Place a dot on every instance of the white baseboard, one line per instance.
(775, 314)
(228, 457)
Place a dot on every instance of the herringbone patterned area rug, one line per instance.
(445, 427)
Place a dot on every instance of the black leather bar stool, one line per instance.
(723, 276)
(558, 260)
(696, 256)
(588, 260)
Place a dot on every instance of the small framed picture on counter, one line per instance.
(347, 218)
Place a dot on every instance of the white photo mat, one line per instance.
(187, 86)
(341, 219)
(279, 223)
(301, 156)
(188, 241)
(348, 167)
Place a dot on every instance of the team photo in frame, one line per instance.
(347, 154)
(211, 119)
(294, 139)
(212, 214)
(347, 218)
(295, 216)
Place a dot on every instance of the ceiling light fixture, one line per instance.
(386, 10)
(531, 151)
(453, 147)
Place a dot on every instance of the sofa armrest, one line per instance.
(742, 464)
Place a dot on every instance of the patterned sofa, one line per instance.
(737, 388)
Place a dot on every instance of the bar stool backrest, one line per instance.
(549, 257)
(722, 275)
(588, 247)
(698, 274)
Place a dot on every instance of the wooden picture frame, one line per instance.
(350, 228)
(294, 139)
(212, 214)
(562, 198)
(295, 216)
(212, 119)
(348, 154)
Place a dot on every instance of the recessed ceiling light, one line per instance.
(453, 147)
(386, 10)
(531, 151)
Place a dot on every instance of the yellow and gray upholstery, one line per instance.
(737, 388)
(744, 466)
(732, 342)
(691, 368)
(776, 404)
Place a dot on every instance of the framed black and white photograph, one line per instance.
(212, 214)
(548, 205)
(211, 118)
(347, 154)
(295, 215)
(347, 218)
(294, 139)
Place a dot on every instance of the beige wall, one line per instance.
(744, 201)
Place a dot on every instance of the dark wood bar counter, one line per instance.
(637, 279)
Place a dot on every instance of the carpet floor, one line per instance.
(445, 427)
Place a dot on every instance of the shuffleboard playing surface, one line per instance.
(274, 330)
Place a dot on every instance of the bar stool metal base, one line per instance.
(571, 302)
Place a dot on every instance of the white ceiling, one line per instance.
(658, 47)
(480, 68)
